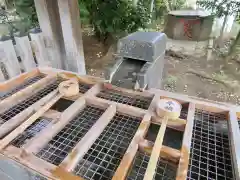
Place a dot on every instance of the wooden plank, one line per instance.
(24, 93)
(186, 145)
(235, 142)
(152, 164)
(39, 49)
(9, 58)
(87, 141)
(19, 118)
(6, 140)
(25, 52)
(123, 108)
(72, 34)
(47, 134)
(49, 21)
(7, 85)
(128, 157)
(165, 152)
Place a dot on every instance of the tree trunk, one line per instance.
(151, 6)
(220, 42)
(234, 45)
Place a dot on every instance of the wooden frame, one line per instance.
(25, 154)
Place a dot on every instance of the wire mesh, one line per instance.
(30, 132)
(83, 87)
(164, 170)
(210, 152)
(26, 83)
(103, 158)
(59, 147)
(10, 113)
(132, 100)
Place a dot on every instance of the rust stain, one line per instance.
(61, 174)
(183, 164)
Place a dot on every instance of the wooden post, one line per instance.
(9, 58)
(71, 26)
(49, 20)
(25, 52)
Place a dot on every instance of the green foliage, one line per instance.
(27, 12)
(220, 7)
(114, 17)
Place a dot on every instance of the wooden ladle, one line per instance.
(169, 110)
(65, 89)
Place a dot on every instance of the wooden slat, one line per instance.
(152, 164)
(24, 93)
(128, 157)
(9, 58)
(235, 142)
(87, 141)
(186, 145)
(7, 85)
(25, 52)
(19, 118)
(6, 140)
(72, 34)
(165, 152)
(39, 49)
(47, 134)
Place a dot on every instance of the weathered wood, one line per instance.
(71, 26)
(87, 141)
(19, 118)
(24, 93)
(152, 164)
(165, 152)
(128, 157)
(6, 140)
(49, 20)
(9, 84)
(40, 50)
(186, 145)
(25, 52)
(47, 134)
(235, 142)
(9, 58)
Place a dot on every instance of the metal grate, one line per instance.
(137, 101)
(84, 87)
(164, 170)
(103, 158)
(26, 83)
(5, 116)
(59, 147)
(210, 152)
(30, 132)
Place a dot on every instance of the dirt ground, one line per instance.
(186, 72)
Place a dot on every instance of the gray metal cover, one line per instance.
(147, 46)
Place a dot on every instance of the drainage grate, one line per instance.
(30, 132)
(210, 152)
(59, 147)
(105, 155)
(164, 170)
(137, 101)
(5, 116)
(22, 86)
(84, 87)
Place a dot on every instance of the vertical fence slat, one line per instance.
(9, 58)
(39, 49)
(25, 52)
